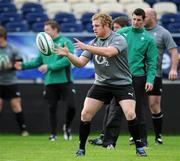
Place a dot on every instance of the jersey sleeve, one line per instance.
(151, 60)
(168, 40)
(119, 42)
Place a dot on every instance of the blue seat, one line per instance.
(5, 1)
(71, 27)
(17, 27)
(89, 27)
(31, 7)
(86, 18)
(36, 17)
(169, 18)
(65, 17)
(174, 27)
(164, 0)
(7, 7)
(10, 17)
(151, 2)
(38, 27)
(177, 2)
(117, 14)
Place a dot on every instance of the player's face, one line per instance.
(148, 20)
(116, 27)
(137, 21)
(98, 29)
(49, 30)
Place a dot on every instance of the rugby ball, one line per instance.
(44, 43)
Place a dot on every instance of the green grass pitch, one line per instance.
(39, 148)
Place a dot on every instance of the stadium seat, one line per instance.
(117, 14)
(125, 2)
(7, 7)
(71, 27)
(169, 18)
(38, 27)
(19, 3)
(150, 2)
(111, 7)
(56, 7)
(36, 17)
(89, 27)
(86, 18)
(65, 17)
(104, 1)
(78, 1)
(80, 8)
(129, 8)
(164, 7)
(50, 1)
(174, 27)
(31, 7)
(17, 27)
(177, 2)
(10, 17)
(5, 1)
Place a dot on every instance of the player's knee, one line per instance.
(155, 106)
(86, 116)
(131, 115)
(16, 109)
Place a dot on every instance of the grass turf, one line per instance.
(39, 148)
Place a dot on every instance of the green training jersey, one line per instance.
(142, 52)
(59, 67)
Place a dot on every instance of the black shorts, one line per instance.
(106, 93)
(64, 91)
(9, 91)
(157, 89)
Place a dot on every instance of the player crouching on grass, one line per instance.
(113, 79)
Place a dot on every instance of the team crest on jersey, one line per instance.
(101, 60)
(142, 38)
(5, 63)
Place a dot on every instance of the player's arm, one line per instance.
(30, 64)
(151, 61)
(76, 61)
(174, 63)
(102, 51)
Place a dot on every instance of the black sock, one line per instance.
(69, 116)
(84, 131)
(143, 132)
(134, 130)
(53, 117)
(20, 120)
(157, 124)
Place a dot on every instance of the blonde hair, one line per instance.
(105, 19)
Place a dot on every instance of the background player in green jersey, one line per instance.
(142, 59)
(58, 79)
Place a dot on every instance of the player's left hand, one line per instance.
(173, 74)
(79, 44)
